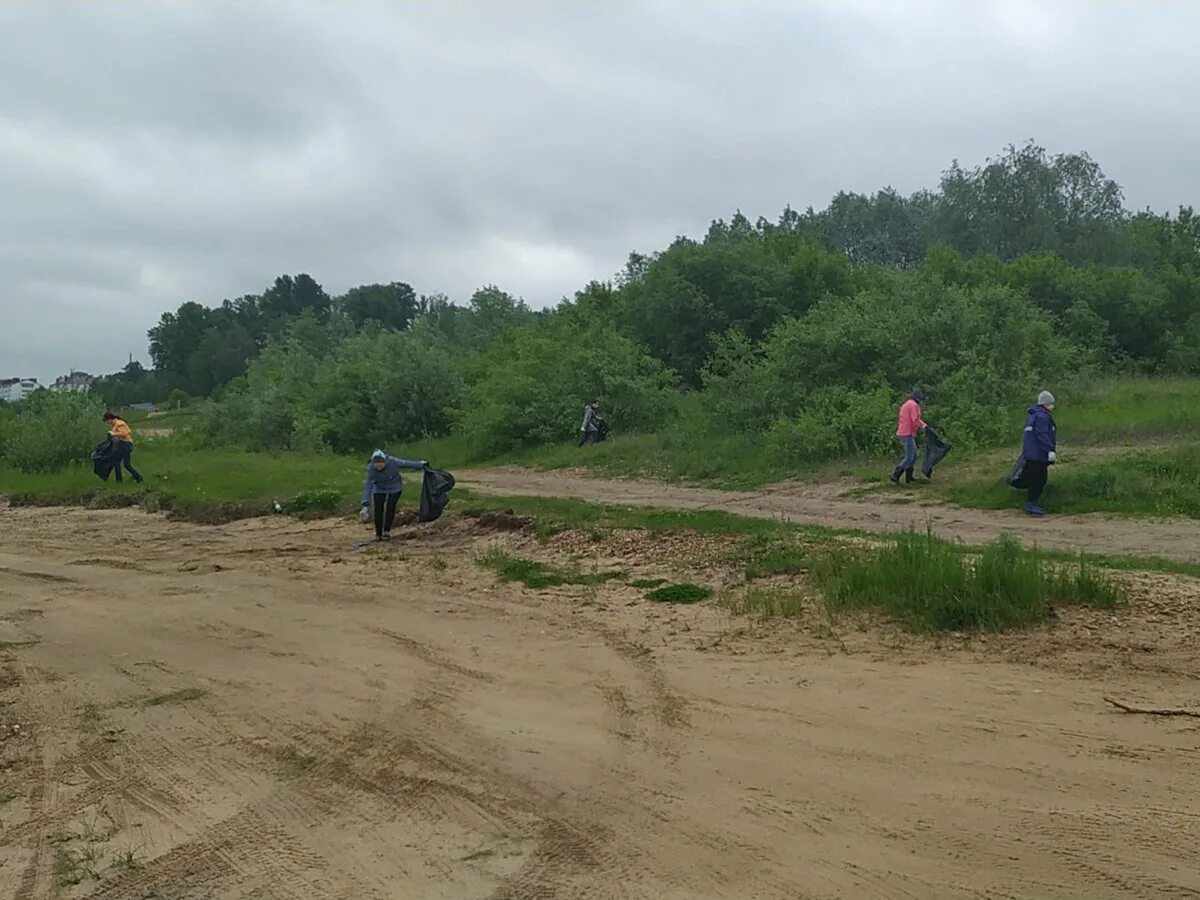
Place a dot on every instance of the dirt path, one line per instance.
(255, 711)
(1176, 539)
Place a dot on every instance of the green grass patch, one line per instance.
(535, 574)
(926, 584)
(778, 561)
(679, 593)
(1151, 482)
(182, 695)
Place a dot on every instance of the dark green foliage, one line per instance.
(684, 592)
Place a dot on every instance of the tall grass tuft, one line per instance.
(927, 584)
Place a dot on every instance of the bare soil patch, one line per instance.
(255, 710)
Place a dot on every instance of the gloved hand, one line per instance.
(424, 464)
(1053, 457)
(364, 514)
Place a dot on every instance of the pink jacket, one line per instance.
(910, 419)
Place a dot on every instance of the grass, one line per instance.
(782, 560)
(684, 592)
(927, 585)
(766, 603)
(1149, 482)
(534, 574)
(182, 695)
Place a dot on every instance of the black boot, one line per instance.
(895, 476)
(908, 476)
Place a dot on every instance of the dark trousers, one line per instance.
(124, 457)
(589, 437)
(385, 512)
(1035, 473)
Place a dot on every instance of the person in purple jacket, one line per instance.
(1039, 451)
(384, 484)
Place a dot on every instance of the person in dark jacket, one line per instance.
(384, 484)
(1040, 450)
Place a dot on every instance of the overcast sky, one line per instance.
(152, 153)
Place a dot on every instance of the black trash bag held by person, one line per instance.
(435, 494)
(601, 428)
(104, 457)
(935, 450)
(1016, 476)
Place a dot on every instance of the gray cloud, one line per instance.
(153, 153)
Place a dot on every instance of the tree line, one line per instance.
(798, 333)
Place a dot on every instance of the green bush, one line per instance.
(535, 381)
(359, 392)
(50, 431)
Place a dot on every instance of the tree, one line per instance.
(290, 297)
(392, 305)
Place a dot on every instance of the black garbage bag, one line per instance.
(601, 428)
(935, 450)
(1016, 476)
(104, 457)
(435, 494)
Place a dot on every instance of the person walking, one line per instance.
(907, 427)
(589, 431)
(122, 436)
(384, 484)
(1039, 451)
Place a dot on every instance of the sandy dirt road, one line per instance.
(254, 711)
(832, 506)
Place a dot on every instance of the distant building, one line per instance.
(14, 390)
(75, 383)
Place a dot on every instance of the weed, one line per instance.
(182, 695)
(92, 716)
(438, 563)
(125, 861)
(647, 583)
(679, 593)
(534, 574)
(294, 762)
(766, 603)
(925, 584)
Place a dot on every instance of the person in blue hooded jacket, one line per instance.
(384, 484)
(1039, 451)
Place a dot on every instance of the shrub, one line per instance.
(50, 431)
(535, 380)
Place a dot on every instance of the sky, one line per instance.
(158, 152)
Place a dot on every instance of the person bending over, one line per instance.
(384, 484)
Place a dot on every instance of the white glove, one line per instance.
(364, 515)
(1053, 457)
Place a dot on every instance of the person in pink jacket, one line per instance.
(910, 423)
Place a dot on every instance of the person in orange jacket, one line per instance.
(123, 439)
(907, 428)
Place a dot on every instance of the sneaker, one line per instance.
(1033, 510)
(387, 535)
(894, 479)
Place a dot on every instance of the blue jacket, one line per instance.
(387, 480)
(1041, 435)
